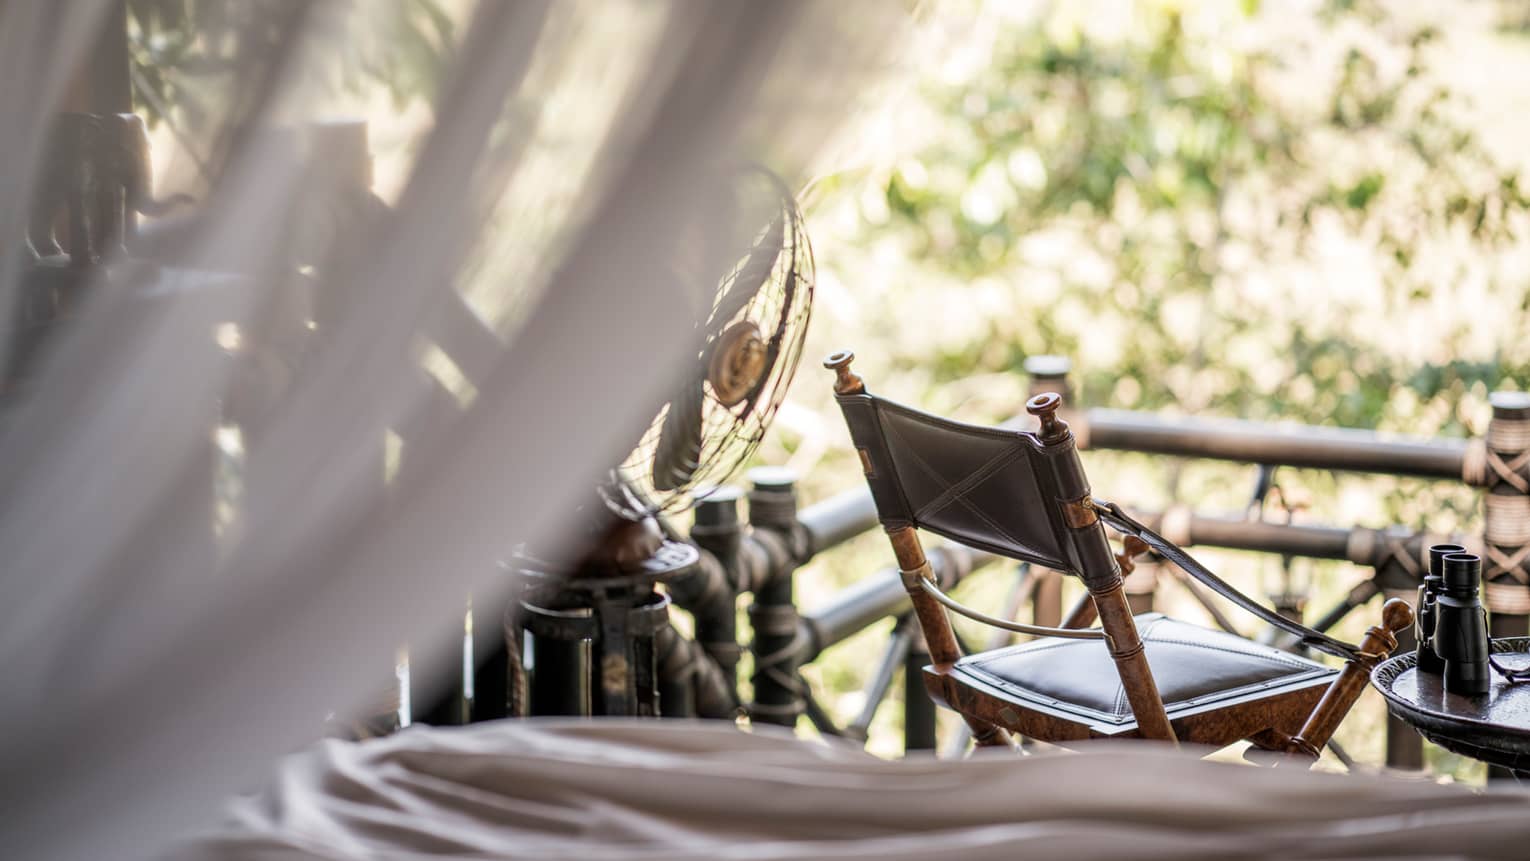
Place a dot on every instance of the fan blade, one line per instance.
(678, 454)
(751, 275)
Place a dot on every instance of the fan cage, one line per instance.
(781, 308)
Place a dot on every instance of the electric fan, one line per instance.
(591, 614)
(753, 327)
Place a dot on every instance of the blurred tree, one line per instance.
(1150, 170)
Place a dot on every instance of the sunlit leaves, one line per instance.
(1185, 164)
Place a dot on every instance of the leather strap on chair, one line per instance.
(1121, 522)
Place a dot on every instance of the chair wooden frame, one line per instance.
(1296, 718)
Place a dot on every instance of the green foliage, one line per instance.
(1144, 152)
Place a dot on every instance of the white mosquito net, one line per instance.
(150, 674)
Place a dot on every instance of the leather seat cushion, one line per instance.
(1193, 666)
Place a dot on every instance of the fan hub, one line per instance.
(739, 362)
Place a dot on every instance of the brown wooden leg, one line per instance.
(985, 734)
(1131, 662)
(914, 567)
(1100, 569)
(934, 623)
(1083, 613)
(1340, 697)
(1115, 613)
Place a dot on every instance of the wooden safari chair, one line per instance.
(1024, 495)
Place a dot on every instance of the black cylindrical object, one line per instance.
(560, 676)
(491, 678)
(676, 697)
(857, 607)
(493, 625)
(883, 594)
(517, 689)
(1050, 374)
(918, 708)
(690, 682)
(772, 498)
(838, 519)
(774, 620)
(1428, 612)
(1314, 542)
(677, 692)
(1461, 631)
(773, 615)
(717, 522)
(709, 594)
(645, 675)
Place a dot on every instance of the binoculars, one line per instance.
(1452, 623)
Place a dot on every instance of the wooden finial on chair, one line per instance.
(846, 381)
(1044, 407)
(1396, 617)
(1377, 644)
(1131, 548)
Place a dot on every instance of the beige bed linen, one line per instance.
(619, 789)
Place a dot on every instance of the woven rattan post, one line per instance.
(1502, 466)
(1506, 516)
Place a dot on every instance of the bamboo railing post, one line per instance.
(1505, 472)
(1501, 464)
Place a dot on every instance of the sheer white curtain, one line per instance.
(146, 680)
(148, 677)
